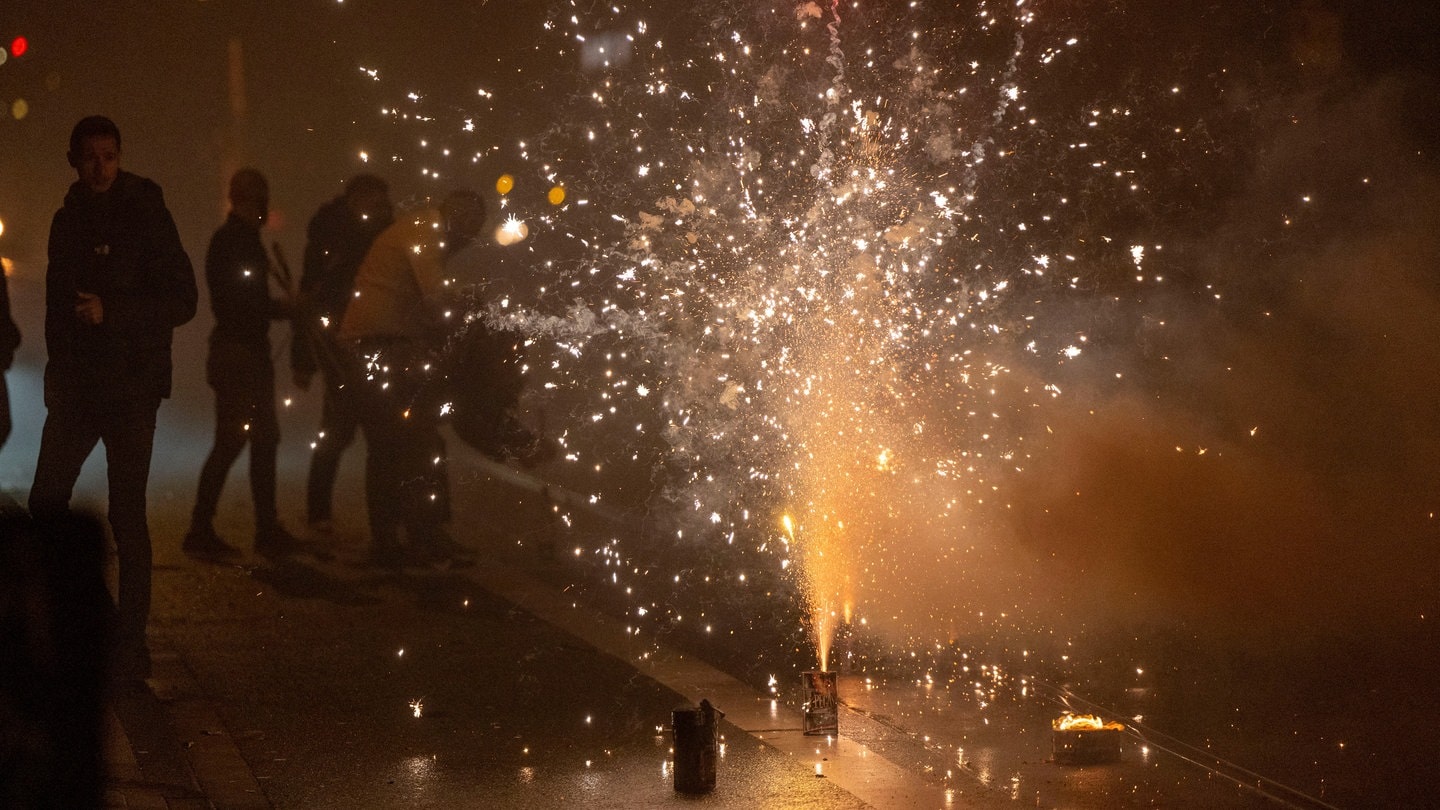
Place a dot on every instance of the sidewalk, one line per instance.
(168, 747)
(165, 747)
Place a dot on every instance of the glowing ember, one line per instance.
(1084, 722)
(1085, 739)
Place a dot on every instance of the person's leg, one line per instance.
(384, 452)
(423, 481)
(232, 418)
(129, 436)
(339, 422)
(264, 439)
(5, 423)
(67, 438)
(437, 475)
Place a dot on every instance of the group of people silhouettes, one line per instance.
(368, 314)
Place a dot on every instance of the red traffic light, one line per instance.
(19, 46)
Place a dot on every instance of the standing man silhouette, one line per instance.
(117, 286)
(336, 242)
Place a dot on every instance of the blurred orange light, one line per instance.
(19, 46)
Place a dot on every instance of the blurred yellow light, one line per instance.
(20, 108)
(556, 195)
(7, 265)
(504, 184)
(512, 232)
(2, 227)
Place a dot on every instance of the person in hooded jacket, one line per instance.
(117, 286)
(394, 327)
(336, 241)
(239, 369)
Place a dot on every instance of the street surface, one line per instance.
(317, 682)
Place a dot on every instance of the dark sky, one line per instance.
(160, 70)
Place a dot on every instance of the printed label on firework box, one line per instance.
(822, 706)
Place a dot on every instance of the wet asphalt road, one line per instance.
(316, 669)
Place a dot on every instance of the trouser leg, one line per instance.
(129, 439)
(437, 475)
(5, 422)
(338, 425)
(421, 500)
(264, 439)
(66, 440)
(232, 422)
(385, 448)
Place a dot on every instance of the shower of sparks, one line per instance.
(798, 290)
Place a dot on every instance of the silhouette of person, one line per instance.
(56, 621)
(339, 235)
(9, 342)
(117, 286)
(240, 371)
(394, 326)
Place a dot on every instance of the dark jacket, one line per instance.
(9, 332)
(335, 245)
(237, 269)
(122, 246)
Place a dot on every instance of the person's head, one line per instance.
(464, 214)
(368, 198)
(95, 152)
(250, 196)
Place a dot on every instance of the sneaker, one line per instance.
(203, 542)
(275, 541)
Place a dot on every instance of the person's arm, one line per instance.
(9, 332)
(227, 280)
(62, 277)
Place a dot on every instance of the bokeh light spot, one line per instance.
(504, 184)
(556, 195)
(19, 46)
(20, 108)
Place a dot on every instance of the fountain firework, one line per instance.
(819, 275)
(814, 340)
(1014, 332)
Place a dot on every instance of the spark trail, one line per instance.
(822, 351)
(835, 274)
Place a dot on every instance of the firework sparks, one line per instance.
(788, 272)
